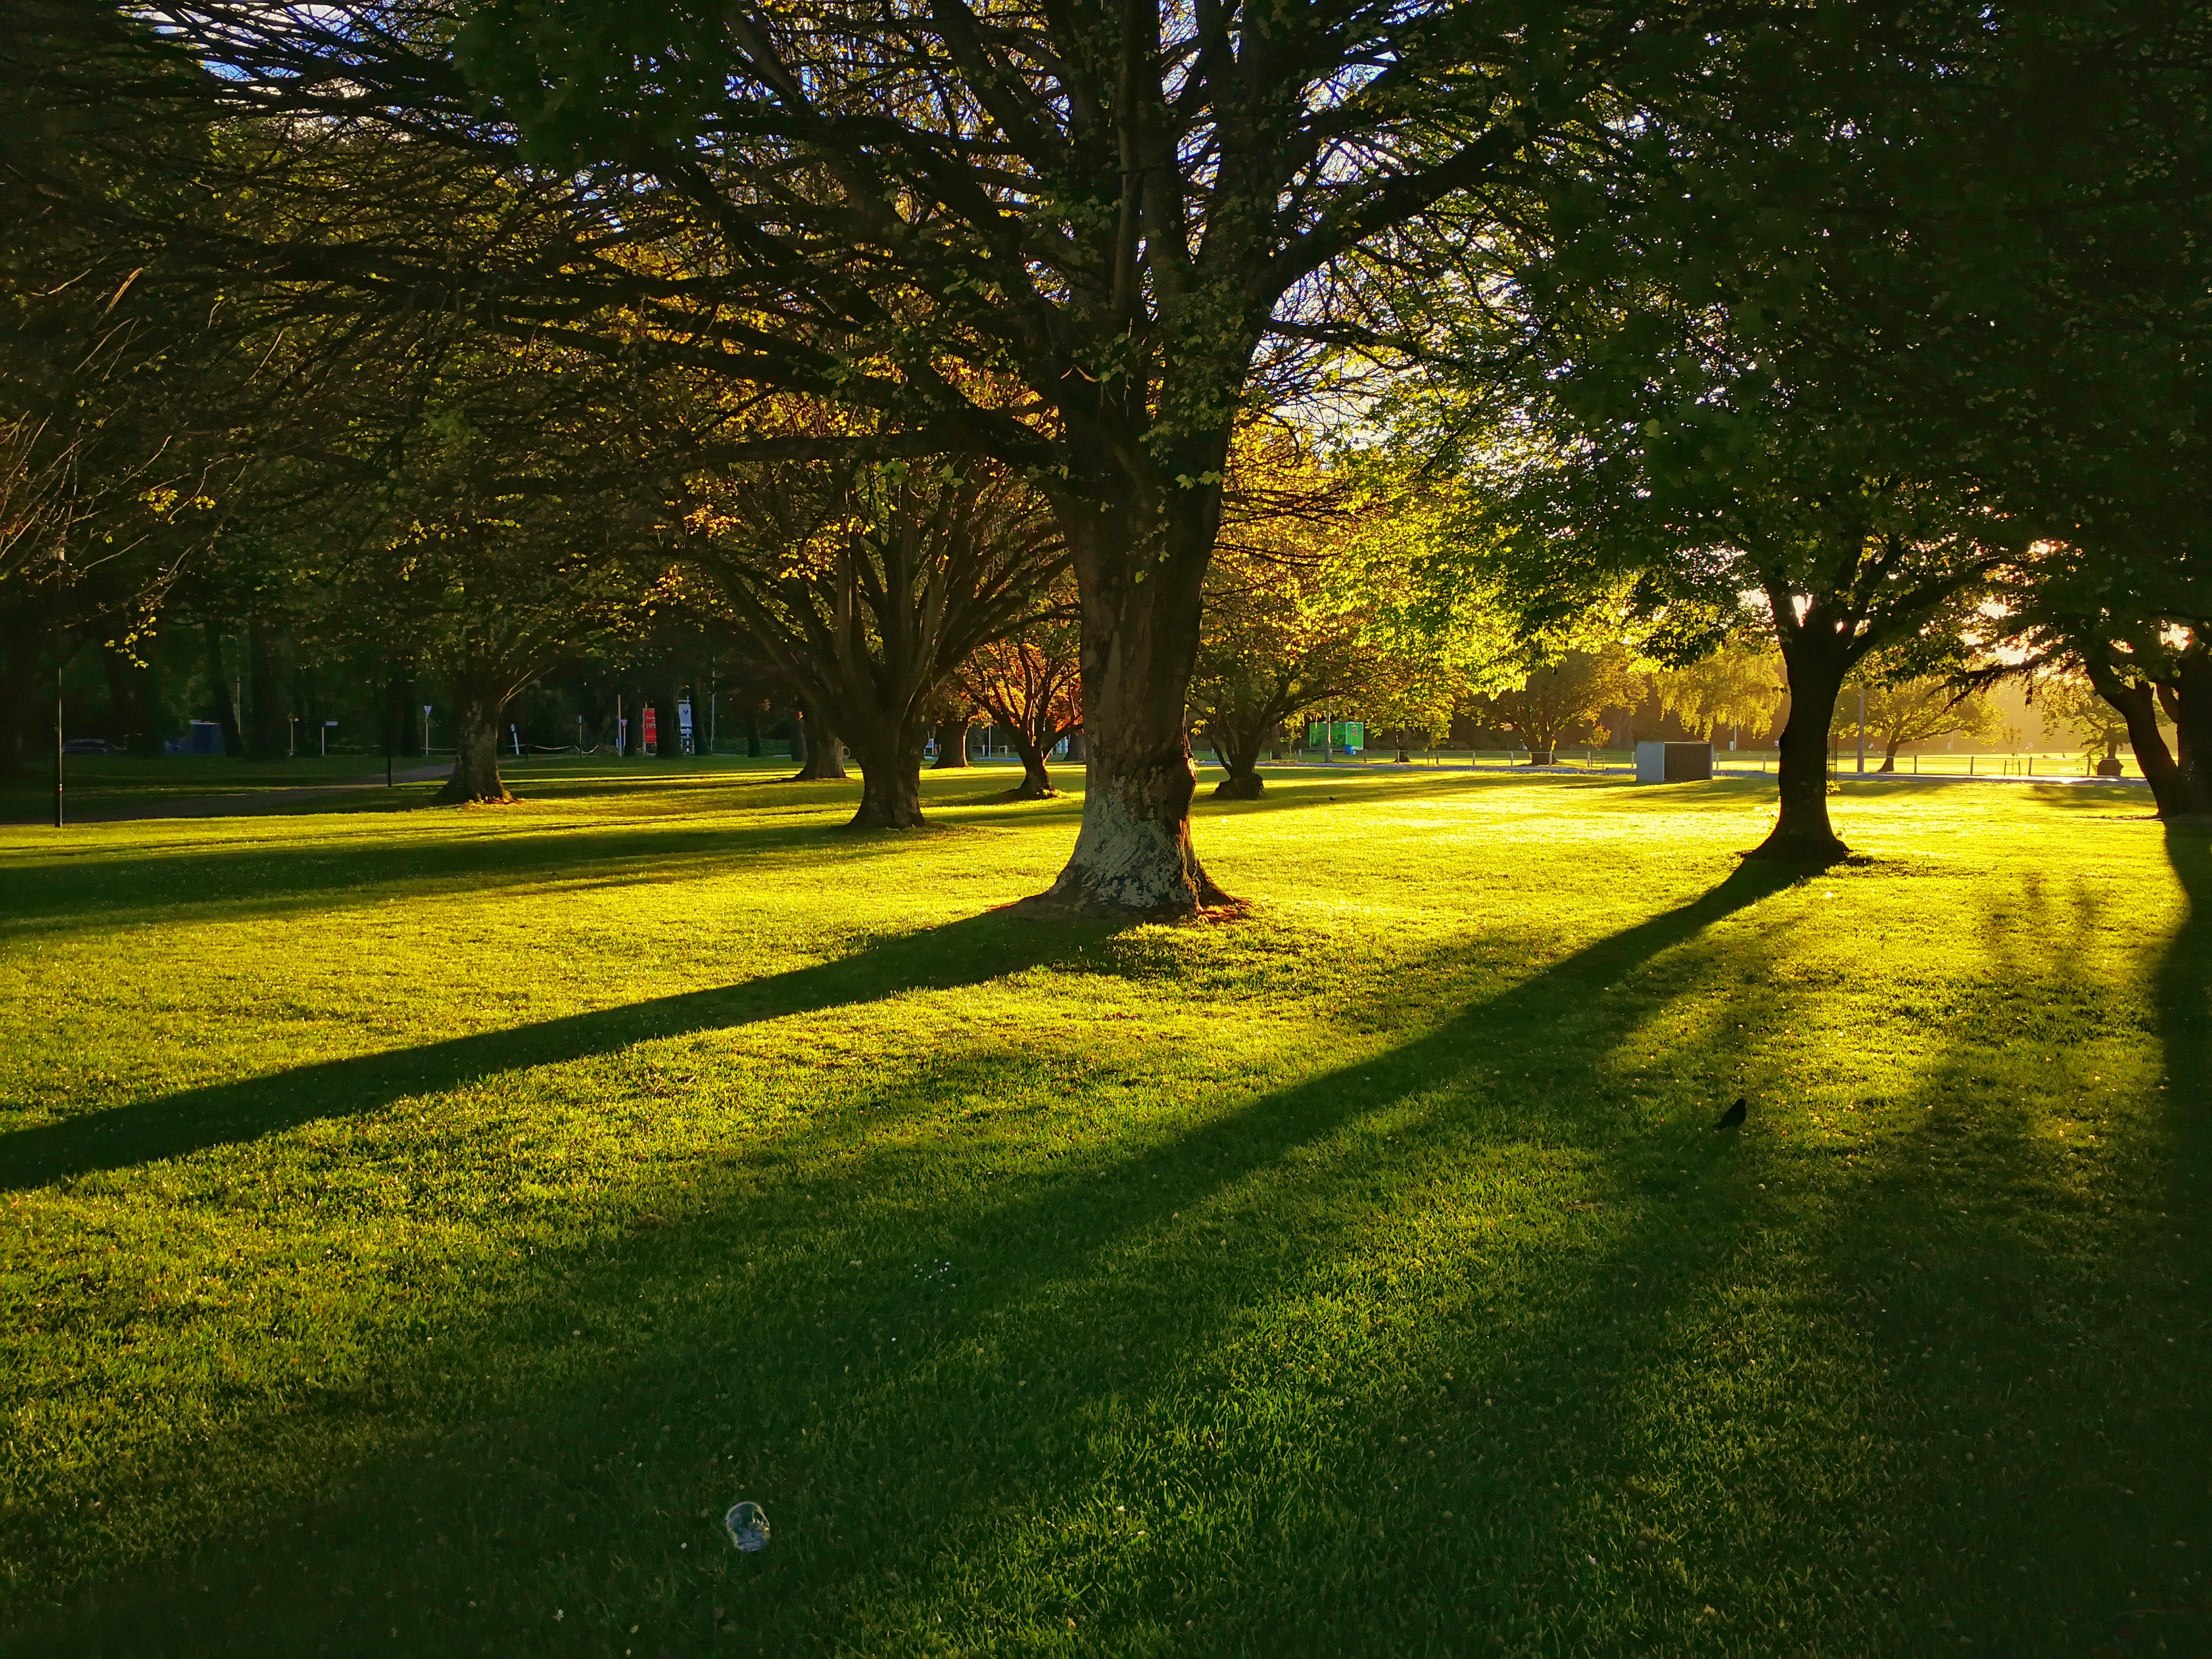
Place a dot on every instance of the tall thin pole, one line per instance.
(1861, 728)
(58, 745)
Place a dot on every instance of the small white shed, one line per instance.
(1674, 762)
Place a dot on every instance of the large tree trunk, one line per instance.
(891, 784)
(1132, 855)
(952, 744)
(226, 707)
(1801, 833)
(2191, 707)
(1889, 755)
(476, 749)
(393, 722)
(2138, 704)
(26, 686)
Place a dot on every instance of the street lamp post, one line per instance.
(58, 745)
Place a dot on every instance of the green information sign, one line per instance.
(1350, 736)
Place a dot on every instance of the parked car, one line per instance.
(91, 746)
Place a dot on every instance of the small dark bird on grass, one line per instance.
(1733, 1118)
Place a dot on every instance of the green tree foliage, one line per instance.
(2141, 636)
(1556, 700)
(2073, 703)
(1738, 686)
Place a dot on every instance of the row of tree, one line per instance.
(1266, 354)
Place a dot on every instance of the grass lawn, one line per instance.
(99, 783)
(421, 1226)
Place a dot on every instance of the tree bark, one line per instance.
(1140, 623)
(2192, 729)
(952, 744)
(2138, 704)
(1889, 755)
(824, 758)
(1802, 834)
(226, 708)
(1037, 782)
(890, 787)
(476, 749)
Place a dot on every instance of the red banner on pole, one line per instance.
(649, 736)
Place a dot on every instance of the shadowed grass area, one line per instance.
(420, 1228)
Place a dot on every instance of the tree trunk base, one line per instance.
(1248, 787)
(1796, 847)
(459, 792)
(1054, 906)
(474, 780)
(1138, 867)
(1028, 792)
(875, 814)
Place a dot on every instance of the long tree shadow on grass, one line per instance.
(880, 1456)
(2185, 993)
(968, 952)
(238, 879)
(1122, 1434)
(2039, 1347)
